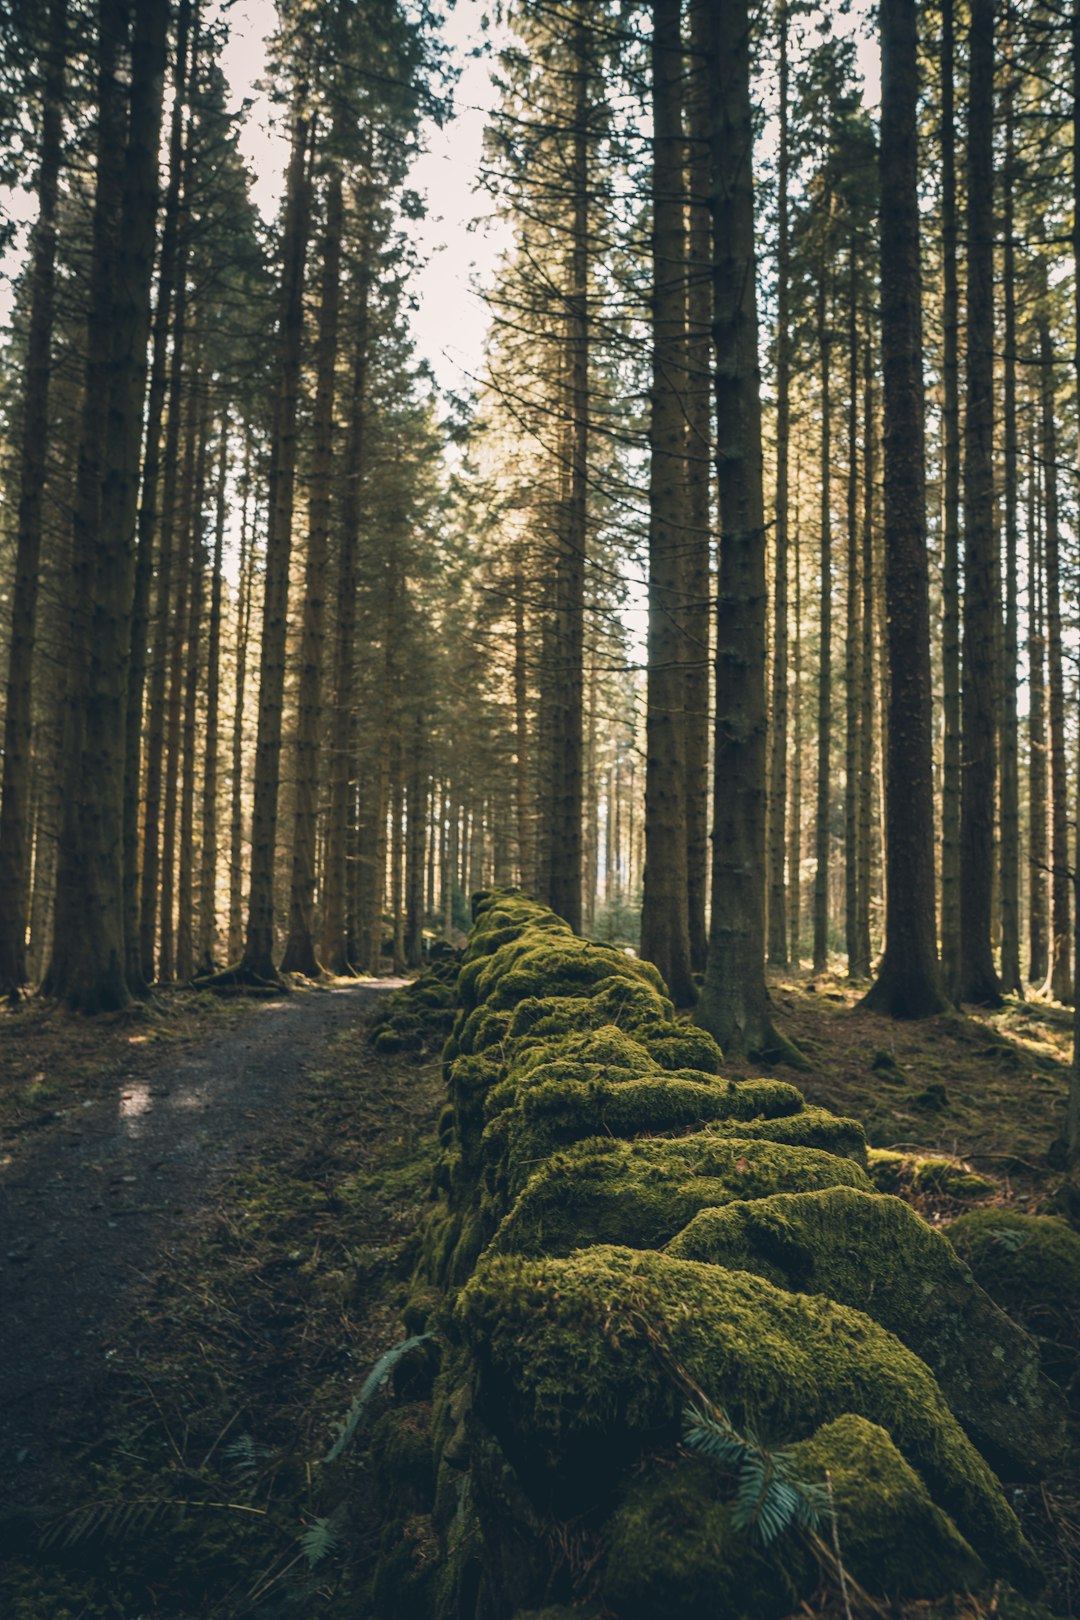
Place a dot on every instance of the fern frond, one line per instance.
(378, 1375)
(319, 1539)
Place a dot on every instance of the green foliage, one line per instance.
(770, 1497)
(361, 1408)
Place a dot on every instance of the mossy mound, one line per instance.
(588, 1130)
(674, 1554)
(907, 1173)
(418, 1017)
(641, 1193)
(1029, 1264)
(570, 1358)
(875, 1253)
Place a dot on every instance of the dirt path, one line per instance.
(105, 1193)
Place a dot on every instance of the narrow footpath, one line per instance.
(102, 1198)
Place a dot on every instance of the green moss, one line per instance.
(686, 1047)
(945, 1176)
(1029, 1264)
(566, 1368)
(873, 1252)
(630, 1004)
(641, 1193)
(673, 1551)
(402, 1458)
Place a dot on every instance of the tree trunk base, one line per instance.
(241, 980)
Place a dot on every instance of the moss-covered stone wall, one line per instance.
(619, 1230)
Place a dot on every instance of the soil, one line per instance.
(97, 1196)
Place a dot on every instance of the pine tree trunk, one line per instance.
(1059, 979)
(854, 692)
(823, 811)
(236, 783)
(88, 967)
(697, 564)
(565, 852)
(185, 927)
(868, 686)
(908, 985)
(33, 460)
(209, 851)
(795, 820)
(140, 972)
(300, 945)
(1072, 1117)
(1038, 956)
(1010, 760)
(950, 582)
(778, 762)
(258, 959)
(522, 762)
(174, 706)
(978, 976)
(665, 925)
(734, 1003)
(342, 753)
(417, 791)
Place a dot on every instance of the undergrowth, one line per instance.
(206, 1491)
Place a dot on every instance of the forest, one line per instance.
(539, 933)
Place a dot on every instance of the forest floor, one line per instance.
(209, 1220)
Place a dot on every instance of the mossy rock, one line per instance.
(952, 1180)
(873, 1252)
(388, 1040)
(641, 1193)
(673, 1551)
(549, 965)
(686, 1047)
(1029, 1264)
(569, 1358)
(402, 1458)
(630, 1004)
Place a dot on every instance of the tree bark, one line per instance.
(734, 1003)
(778, 762)
(33, 461)
(257, 962)
(950, 583)
(299, 954)
(1010, 759)
(88, 967)
(1059, 978)
(978, 976)
(207, 937)
(823, 813)
(665, 922)
(908, 985)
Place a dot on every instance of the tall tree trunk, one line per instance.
(734, 1003)
(854, 690)
(778, 762)
(417, 791)
(1072, 1117)
(236, 783)
(88, 967)
(342, 752)
(522, 762)
(258, 959)
(1059, 979)
(978, 976)
(795, 835)
(950, 583)
(149, 896)
(1037, 759)
(140, 970)
(908, 985)
(397, 844)
(300, 945)
(33, 460)
(209, 851)
(823, 813)
(868, 685)
(185, 927)
(174, 705)
(565, 853)
(697, 565)
(665, 923)
(1010, 759)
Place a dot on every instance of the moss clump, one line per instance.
(875, 1253)
(566, 1357)
(402, 1458)
(630, 1004)
(1029, 1264)
(641, 1193)
(673, 1551)
(952, 1179)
